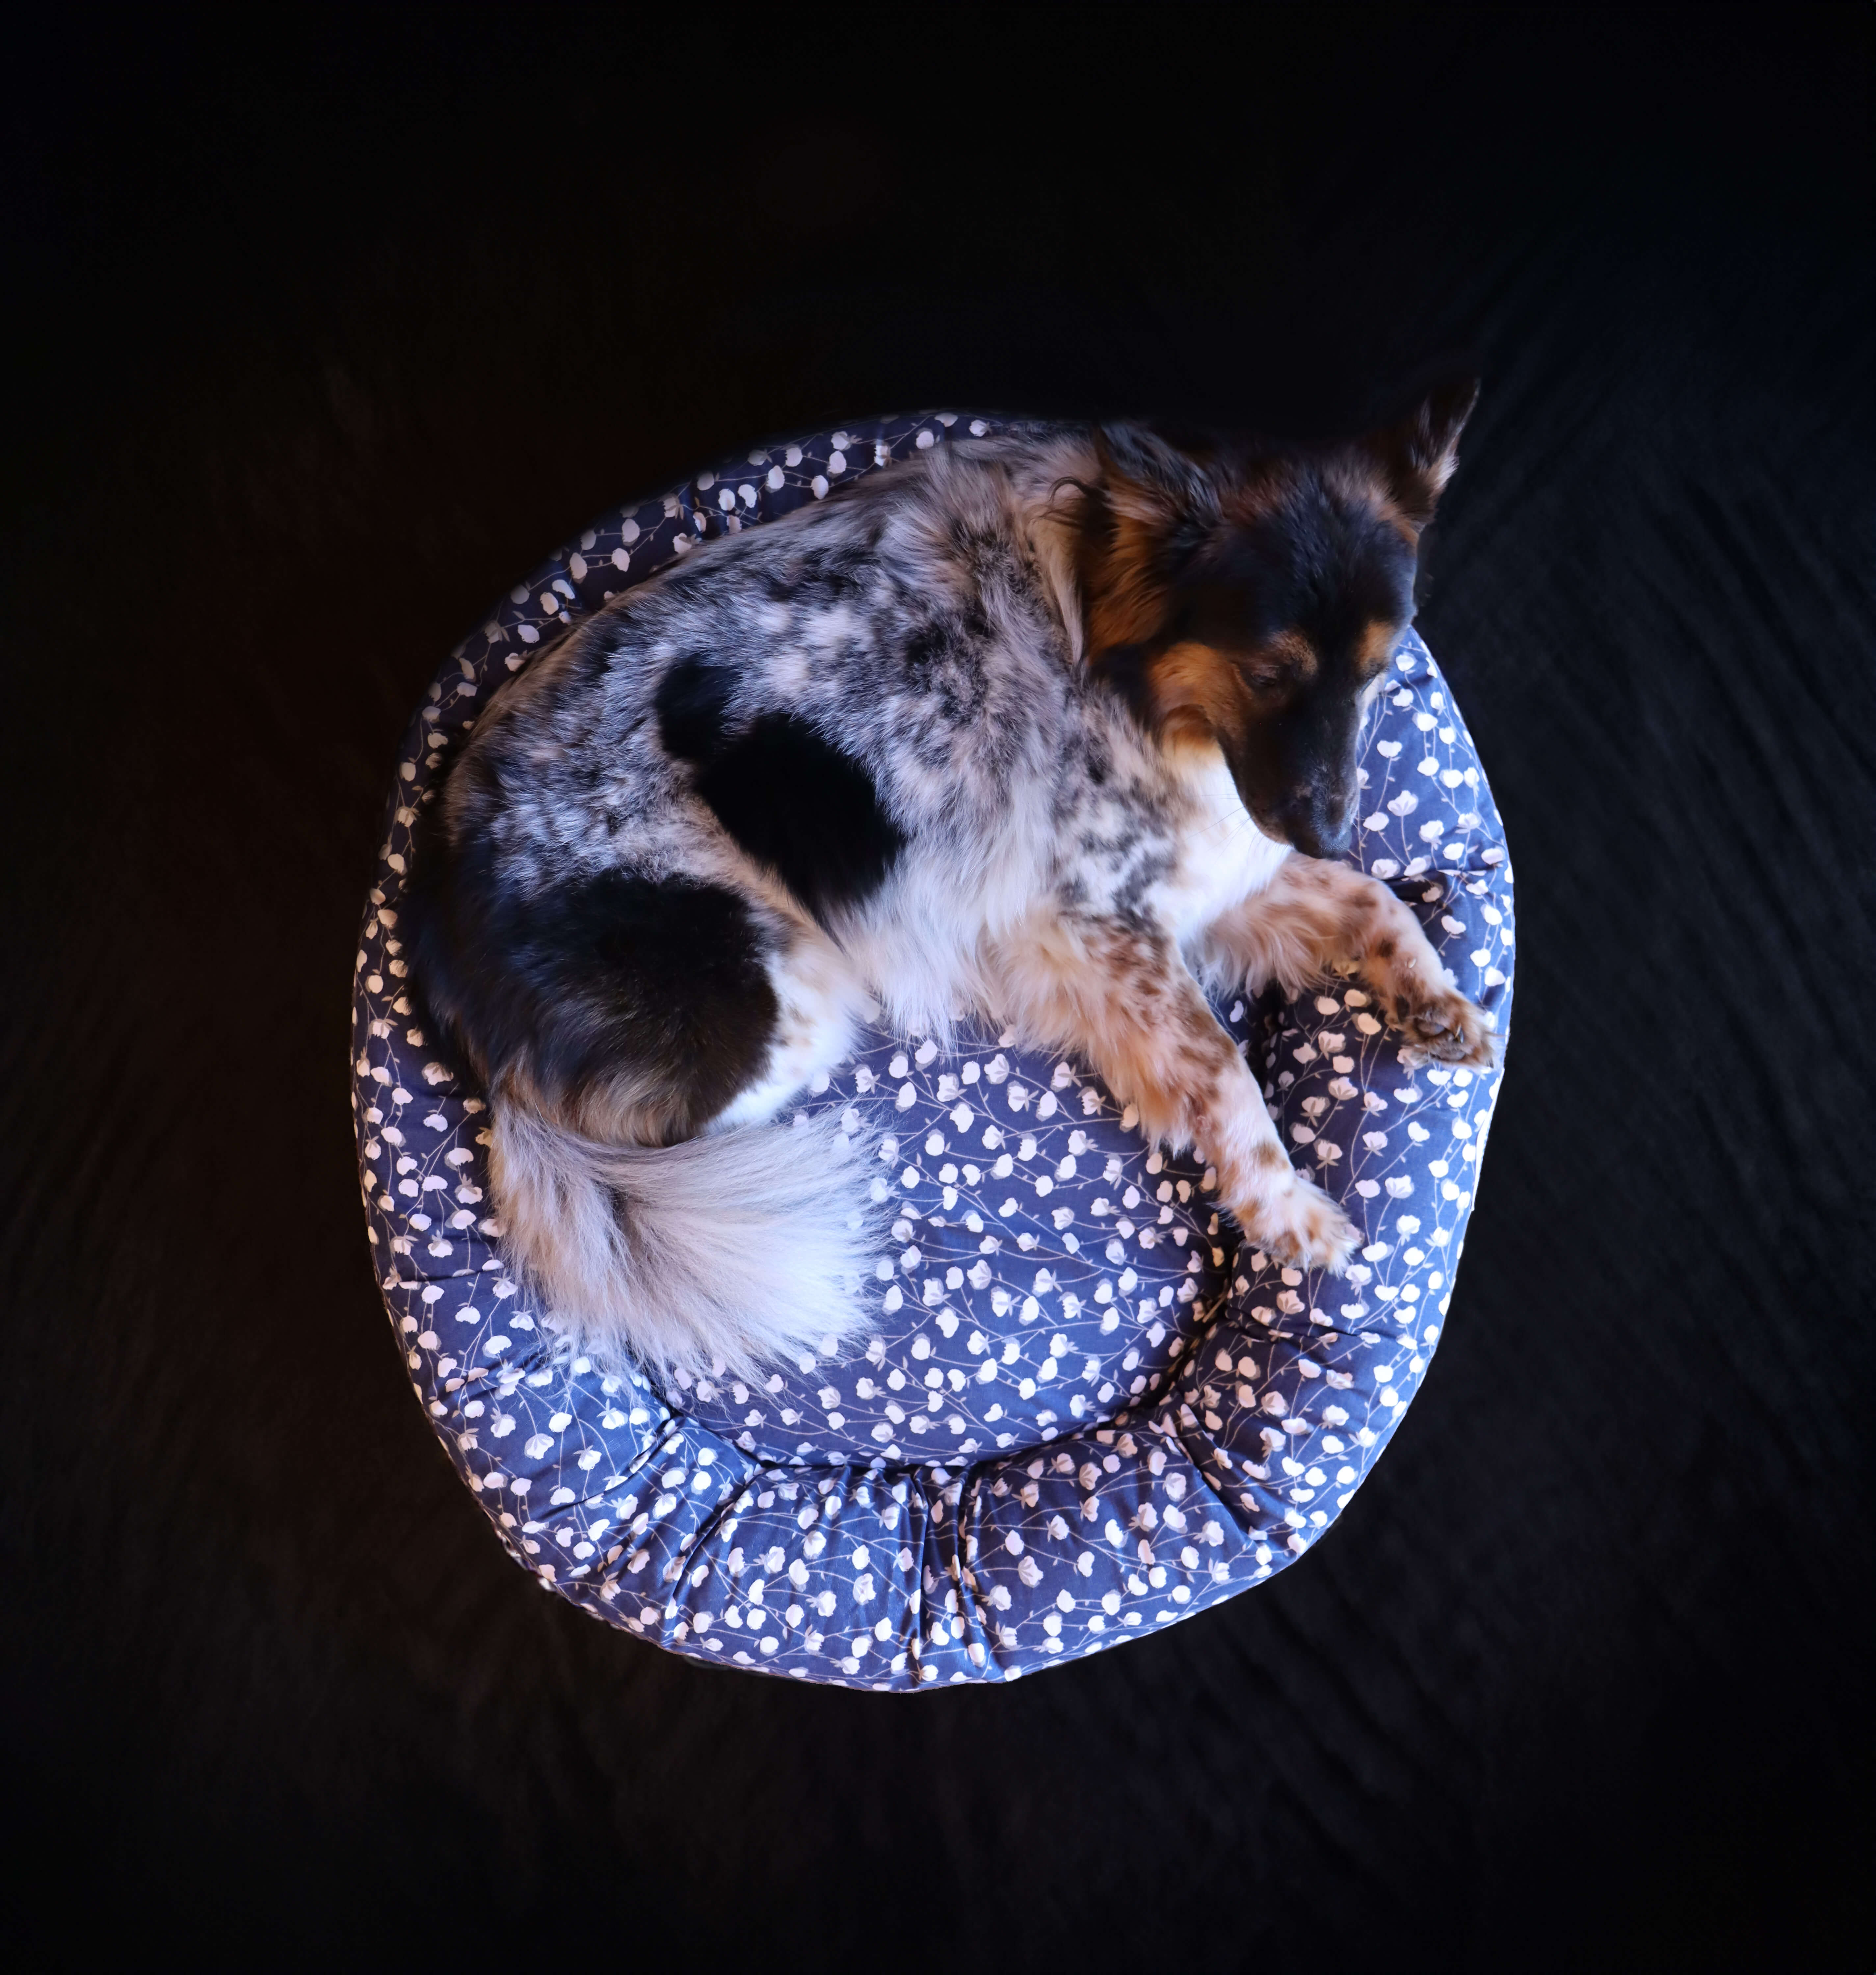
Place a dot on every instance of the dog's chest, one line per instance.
(1219, 857)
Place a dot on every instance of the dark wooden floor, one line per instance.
(319, 342)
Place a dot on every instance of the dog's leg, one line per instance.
(1121, 997)
(1317, 917)
(819, 1000)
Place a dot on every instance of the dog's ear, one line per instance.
(1153, 508)
(1149, 474)
(1417, 456)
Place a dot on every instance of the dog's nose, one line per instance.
(1321, 843)
(1316, 828)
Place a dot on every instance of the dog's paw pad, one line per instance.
(1448, 1029)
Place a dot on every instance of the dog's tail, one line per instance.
(728, 1251)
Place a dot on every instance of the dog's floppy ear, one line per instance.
(1417, 456)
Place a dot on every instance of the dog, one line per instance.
(1058, 729)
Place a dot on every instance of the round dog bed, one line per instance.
(1087, 1411)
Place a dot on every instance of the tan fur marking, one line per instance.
(1194, 679)
(1126, 602)
(1294, 653)
(1378, 643)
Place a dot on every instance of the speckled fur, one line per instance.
(989, 656)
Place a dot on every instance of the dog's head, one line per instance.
(1252, 595)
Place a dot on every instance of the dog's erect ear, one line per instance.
(1417, 456)
(1153, 508)
(1141, 468)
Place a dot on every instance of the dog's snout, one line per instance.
(1314, 843)
(1335, 842)
(1317, 827)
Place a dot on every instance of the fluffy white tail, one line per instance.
(731, 1250)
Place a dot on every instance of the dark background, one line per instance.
(321, 341)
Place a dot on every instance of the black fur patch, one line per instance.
(1127, 670)
(661, 980)
(790, 797)
(693, 706)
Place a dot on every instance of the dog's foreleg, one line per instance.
(1121, 997)
(1317, 917)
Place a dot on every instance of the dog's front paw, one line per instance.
(1300, 1226)
(1443, 1026)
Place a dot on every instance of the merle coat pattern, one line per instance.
(1056, 727)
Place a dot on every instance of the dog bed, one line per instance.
(1087, 1411)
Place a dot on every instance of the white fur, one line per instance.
(735, 1248)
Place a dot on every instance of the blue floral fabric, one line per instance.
(1088, 1410)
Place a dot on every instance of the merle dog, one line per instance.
(1055, 727)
